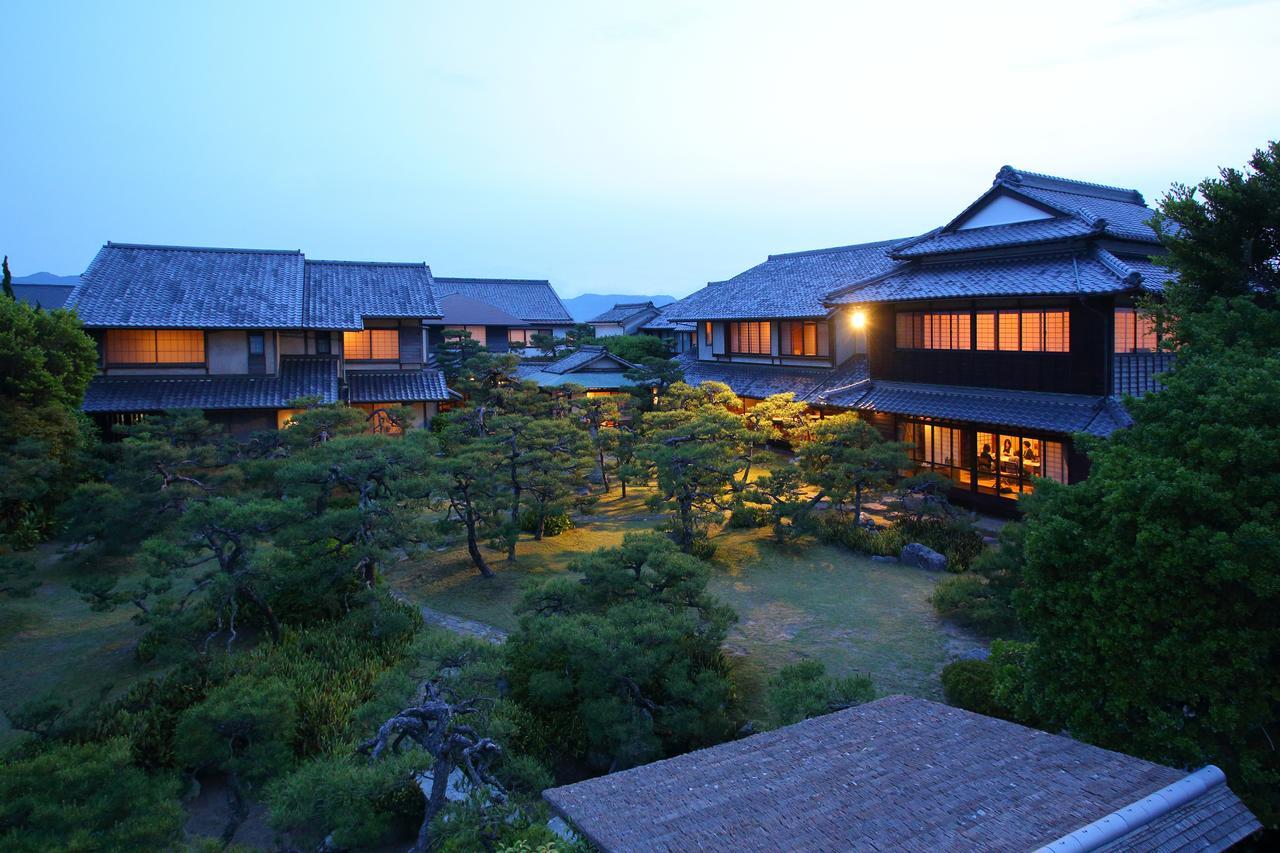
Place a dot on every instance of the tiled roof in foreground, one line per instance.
(904, 774)
(396, 386)
(532, 300)
(300, 376)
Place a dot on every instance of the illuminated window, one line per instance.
(1032, 331)
(986, 323)
(1057, 331)
(371, 345)
(155, 346)
(750, 337)
(802, 337)
(1008, 331)
(706, 333)
(950, 330)
(520, 338)
(1135, 331)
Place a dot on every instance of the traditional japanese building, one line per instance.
(245, 333)
(501, 314)
(986, 343)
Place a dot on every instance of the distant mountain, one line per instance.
(46, 278)
(588, 305)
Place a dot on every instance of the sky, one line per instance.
(639, 147)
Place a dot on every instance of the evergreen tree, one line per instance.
(847, 458)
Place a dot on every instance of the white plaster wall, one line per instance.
(1003, 210)
(227, 351)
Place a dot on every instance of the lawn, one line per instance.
(52, 642)
(794, 602)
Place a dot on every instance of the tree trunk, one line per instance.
(273, 624)
(623, 483)
(473, 546)
(542, 525)
(857, 505)
(435, 802)
(515, 520)
(604, 472)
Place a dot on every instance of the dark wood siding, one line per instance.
(1083, 370)
(411, 344)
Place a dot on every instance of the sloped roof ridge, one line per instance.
(1117, 266)
(452, 278)
(412, 264)
(833, 249)
(1010, 176)
(219, 249)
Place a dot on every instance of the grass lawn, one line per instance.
(53, 642)
(794, 602)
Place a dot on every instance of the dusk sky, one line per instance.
(622, 148)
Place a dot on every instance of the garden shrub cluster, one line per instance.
(803, 690)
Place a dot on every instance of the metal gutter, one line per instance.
(1120, 823)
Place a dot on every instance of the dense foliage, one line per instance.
(634, 348)
(1150, 594)
(803, 690)
(46, 362)
(624, 666)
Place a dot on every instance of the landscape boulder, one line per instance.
(923, 557)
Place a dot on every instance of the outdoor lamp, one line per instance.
(858, 319)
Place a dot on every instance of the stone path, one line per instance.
(457, 624)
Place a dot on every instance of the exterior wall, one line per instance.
(1003, 210)
(846, 341)
(607, 330)
(1083, 370)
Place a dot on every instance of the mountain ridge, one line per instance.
(587, 305)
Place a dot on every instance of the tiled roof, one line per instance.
(300, 376)
(623, 312)
(340, 294)
(459, 310)
(1154, 277)
(1063, 413)
(591, 379)
(533, 301)
(791, 285)
(1122, 219)
(765, 380)
(585, 356)
(396, 386)
(898, 773)
(1065, 274)
(190, 287)
(664, 321)
(994, 236)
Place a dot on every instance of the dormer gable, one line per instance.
(1000, 208)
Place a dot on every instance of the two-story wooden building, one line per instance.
(501, 314)
(985, 343)
(244, 333)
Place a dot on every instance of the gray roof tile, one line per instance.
(190, 287)
(533, 301)
(1064, 274)
(299, 376)
(396, 386)
(665, 321)
(623, 311)
(790, 285)
(584, 356)
(995, 236)
(764, 380)
(898, 773)
(340, 294)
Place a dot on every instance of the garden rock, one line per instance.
(923, 557)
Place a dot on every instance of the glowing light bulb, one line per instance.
(858, 319)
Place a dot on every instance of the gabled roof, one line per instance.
(902, 773)
(789, 285)
(532, 300)
(1092, 270)
(396, 386)
(588, 357)
(940, 242)
(623, 311)
(593, 367)
(130, 284)
(340, 294)
(299, 376)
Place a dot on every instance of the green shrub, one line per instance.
(702, 547)
(552, 525)
(955, 539)
(84, 797)
(746, 516)
(803, 690)
(970, 600)
(147, 715)
(244, 727)
(361, 803)
(837, 529)
(1010, 660)
(970, 684)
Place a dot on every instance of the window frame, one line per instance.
(198, 334)
(1021, 330)
(346, 345)
(761, 330)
